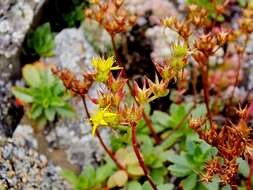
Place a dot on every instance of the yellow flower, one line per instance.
(103, 67)
(103, 118)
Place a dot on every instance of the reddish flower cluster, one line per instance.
(112, 16)
(70, 81)
(232, 141)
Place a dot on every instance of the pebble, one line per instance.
(23, 169)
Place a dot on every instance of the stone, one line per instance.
(10, 113)
(26, 169)
(72, 50)
(16, 18)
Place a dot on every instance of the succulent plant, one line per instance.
(45, 96)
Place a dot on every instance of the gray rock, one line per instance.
(24, 135)
(26, 169)
(72, 50)
(10, 113)
(16, 17)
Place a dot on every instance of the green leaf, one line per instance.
(181, 166)
(168, 142)
(41, 40)
(227, 187)
(179, 171)
(190, 182)
(31, 75)
(134, 185)
(23, 94)
(103, 172)
(118, 179)
(58, 88)
(130, 158)
(160, 118)
(90, 173)
(135, 170)
(214, 185)
(158, 175)
(243, 167)
(65, 111)
(36, 111)
(165, 187)
(70, 176)
(82, 184)
(50, 113)
(199, 111)
(177, 112)
(57, 102)
(179, 159)
(147, 186)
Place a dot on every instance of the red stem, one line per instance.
(151, 128)
(115, 50)
(140, 158)
(107, 150)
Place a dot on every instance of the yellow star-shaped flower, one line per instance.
(103, 67)
(102, 118)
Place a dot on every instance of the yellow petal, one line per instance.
(94, 127)
(116, 68)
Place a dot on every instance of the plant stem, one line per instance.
(115, 50)
(140, 158)
(107, 150)
(145, 117)
(205, 83)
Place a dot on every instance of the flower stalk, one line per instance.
(140, 158)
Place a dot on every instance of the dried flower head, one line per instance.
(112, 16)
(70, 81)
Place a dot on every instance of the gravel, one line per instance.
(24, 169)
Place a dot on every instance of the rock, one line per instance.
(72, 50)
(23, 168)
(16, 17)
(10, 113)
(158, 9)
(24, 135)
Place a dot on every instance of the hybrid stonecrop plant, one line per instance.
(41, 41)
(199, 36)
(45, 97)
